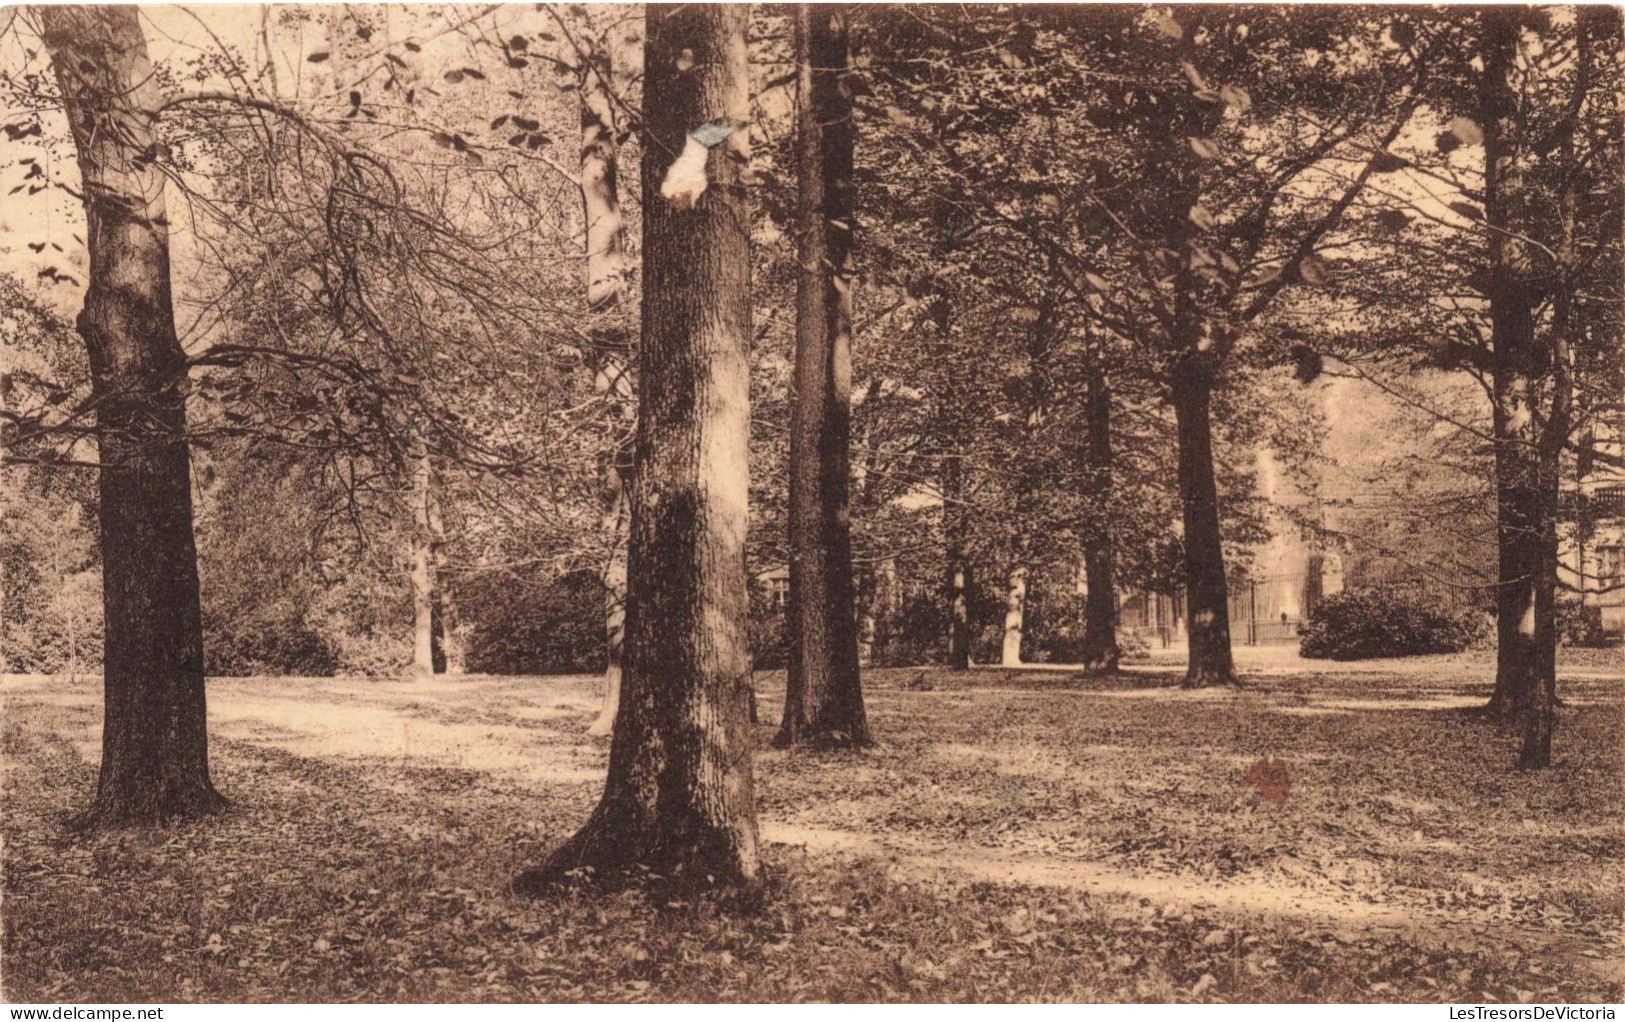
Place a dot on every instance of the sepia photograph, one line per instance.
(598, 503)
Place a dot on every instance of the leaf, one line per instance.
(1237, 97)
(1467, 210)
(1164, 24)
(1096, 281)
(453, 76)
(1467, 130)
(1384, 162)
(1307, 363)
(318, 56)
(1192, 75)
(1392, 219)
(499, 122)
(1201, 217)
(1204, 148)
(414, 47)
(519, 43)
(1313, 270)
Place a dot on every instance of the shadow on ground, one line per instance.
(1018, 835)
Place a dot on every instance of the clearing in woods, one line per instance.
(1325, 833)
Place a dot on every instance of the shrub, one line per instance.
(545, 626)
(1580, 626)
(1385, 622)
(769, 631)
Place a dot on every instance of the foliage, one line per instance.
(538, 626)
(1580, 625)
(1388, 621)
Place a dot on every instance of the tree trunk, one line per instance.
(1100, 650)
(422, 569)
(1015, 603)
(823, 696)
(446, 645)
(1541, 713)
(958, 570)
(678, 804)
(615, 614)
(155, 759)
(1517, 536)
(1512, 329)
(1207, 594)
(879, 610)
(607, 56)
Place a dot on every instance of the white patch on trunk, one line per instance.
(685, 179)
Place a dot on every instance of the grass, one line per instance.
(1018, 835)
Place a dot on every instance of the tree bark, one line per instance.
(1512, 329)
(446, 645)
(1207, 593)
(958, 569)
(1015, 605)
(1540, 718)
(155, 762)
(879, 609)
(823, 695)
(1100, 650)
(606, 57)
(422, 569)
(678, 804)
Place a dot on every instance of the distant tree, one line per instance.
(155, 759)
(679, 800)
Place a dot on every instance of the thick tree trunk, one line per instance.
(608, 57)
(679, 804)
(1512, 329)
(1015, 612)
(823, 696)
(155, 758)
(1207, 593)
(1100, 650)
(957, 580)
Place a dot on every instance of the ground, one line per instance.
(1329, 832)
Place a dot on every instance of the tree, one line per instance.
(605, 56)
(679, 800)
(1100, 650)
(155, 757)
(1539, 153)
(823, 698)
